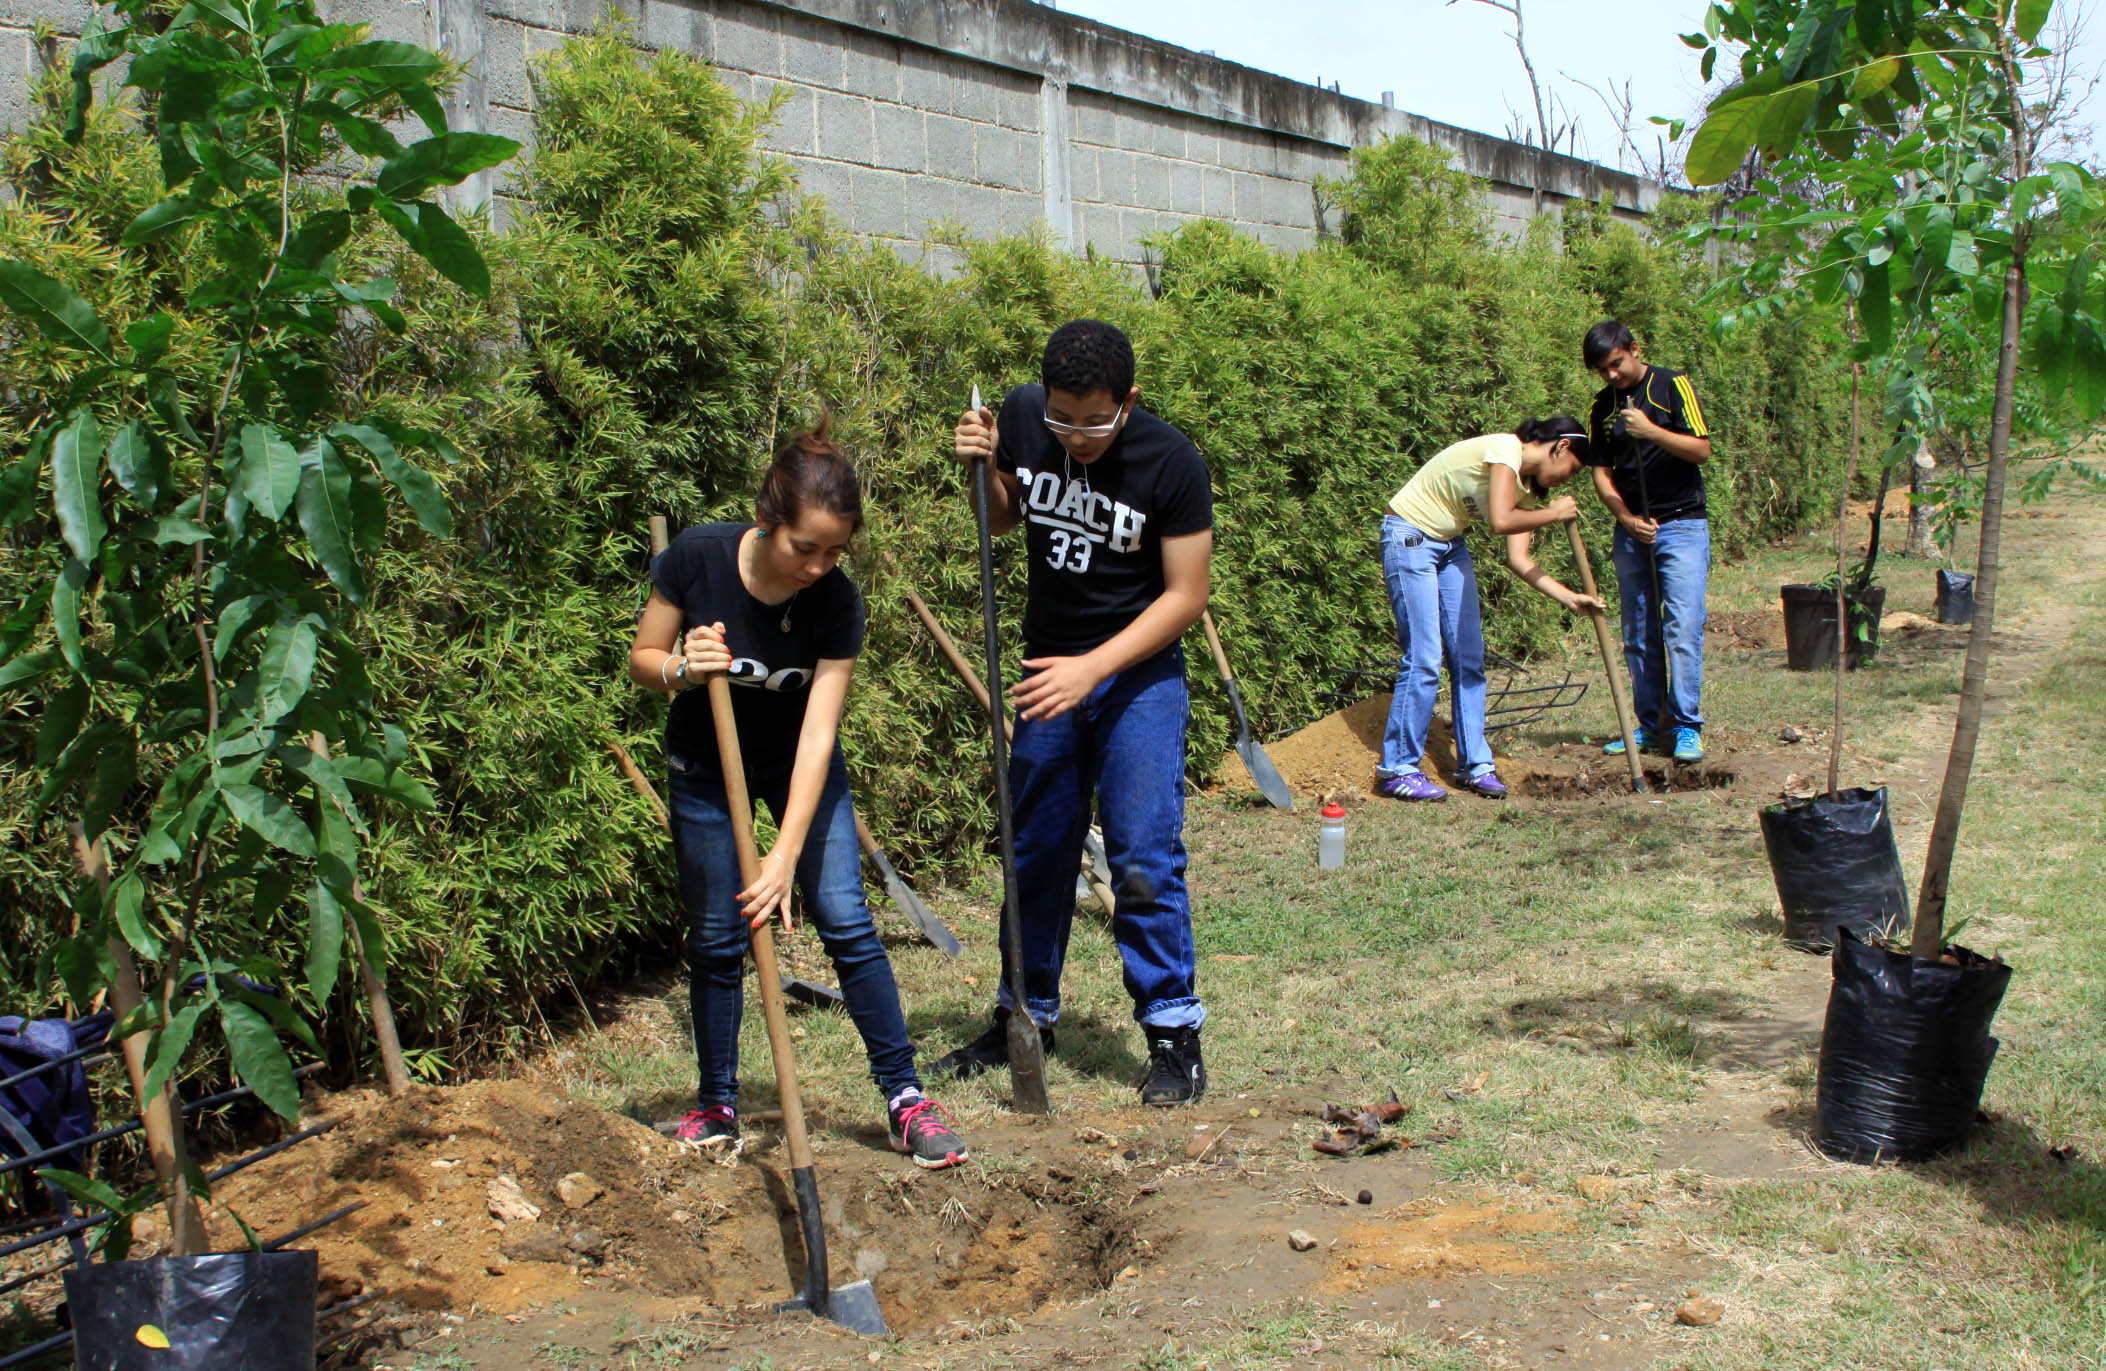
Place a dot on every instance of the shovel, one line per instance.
(919, 914)
(1270, 782)
(1092, 845)
(1027, 1055)
(1608, 658)
(852, 1306)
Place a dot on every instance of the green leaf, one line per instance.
(391, 64)
(2030, 17)
(28, 667)
(1960, 257)
(232, 620)
(62, 316)
(443, 160)
(165, 218)
(228, 14)
(271, 889)
(419, 491)
(325, 942)
(447, 246)
(1722, 142)
(425, 106)
(78, 756)
(1875, 306)
(116, 771)
(259, 1059)
(1785, 120)
(324, 504)
(90, 1192)
(18, 484)
(1874, 77)
(165, 1053)
(148, 338)
(65, 609)
(130, 456)
(281, 1013)
(366, 137)
(372, 936)
(76, 484)
(319, 237)
(63, 713)
(173, 529)
(286, 668)
(270, 470)
(269, 817)
(128, 908)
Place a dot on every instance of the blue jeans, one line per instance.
(1672, 679)
(1433, 592)
(1126, 743)
(829, 872)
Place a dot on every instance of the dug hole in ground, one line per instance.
(1600, 1049)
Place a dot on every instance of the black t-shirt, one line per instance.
(771, 667)
(1673, 488)
(1095, 533)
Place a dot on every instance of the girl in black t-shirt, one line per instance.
(767, 604)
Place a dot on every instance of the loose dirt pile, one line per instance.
(622, 1208)
(1336, 757)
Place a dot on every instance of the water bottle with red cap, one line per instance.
(1330, 839)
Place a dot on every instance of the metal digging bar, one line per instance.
(1563, 694)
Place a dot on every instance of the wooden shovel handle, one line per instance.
(1206, 620)
(741, 805)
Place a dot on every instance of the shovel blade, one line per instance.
(1271, 784)
(854, 1307)
(1027, 1066)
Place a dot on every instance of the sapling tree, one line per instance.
(206, 715)
(1914, 111)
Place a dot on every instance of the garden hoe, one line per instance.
(1608, 658)
(1027, 1055)
(1270, 782)
(855, 1305)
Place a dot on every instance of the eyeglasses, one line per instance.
(1088, 430)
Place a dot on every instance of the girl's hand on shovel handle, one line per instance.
(1585, 604)
(705, 651)
(769, 894)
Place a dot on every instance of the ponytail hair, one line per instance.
(810, 472)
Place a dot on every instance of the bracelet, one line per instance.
(780, 858)
(663, 663)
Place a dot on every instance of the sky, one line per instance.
(1456, 63)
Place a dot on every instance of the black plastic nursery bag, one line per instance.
(249, 1310)
(1836, 866)
(1955, 597)
(1905, 1052)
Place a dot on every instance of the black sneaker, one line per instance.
(989, 1050)
(1176, 1075)
(709, 1126)
(922, 1129)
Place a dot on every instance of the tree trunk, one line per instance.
(1920, 544)
(1842, 567)
(1929, 940)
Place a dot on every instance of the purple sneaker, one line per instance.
(1409, 786)
(1486, 784)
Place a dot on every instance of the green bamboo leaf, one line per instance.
(76, 484)
(1721, 143)
(130, 456)
(419, 491)
(442, 160)
(165, 1052)
(286, 669)
(391, 64)
(325, 942)
(268, 816)
(161, 219)
(66, 591)
(63, 715)
(270, 470)
(259, 1059)
(324, 504)
(58, 313)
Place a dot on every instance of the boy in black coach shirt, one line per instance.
(1118, 513)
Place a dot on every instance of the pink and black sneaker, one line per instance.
(714, 1123)
(921, 1128)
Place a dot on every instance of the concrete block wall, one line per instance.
(991, 115)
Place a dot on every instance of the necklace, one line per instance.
(748, 573)
(788, 605)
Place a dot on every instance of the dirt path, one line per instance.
(1108, 1239)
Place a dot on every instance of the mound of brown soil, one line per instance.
(665, 1220)
(1336, 757)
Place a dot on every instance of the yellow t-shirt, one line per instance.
(1456, 486)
